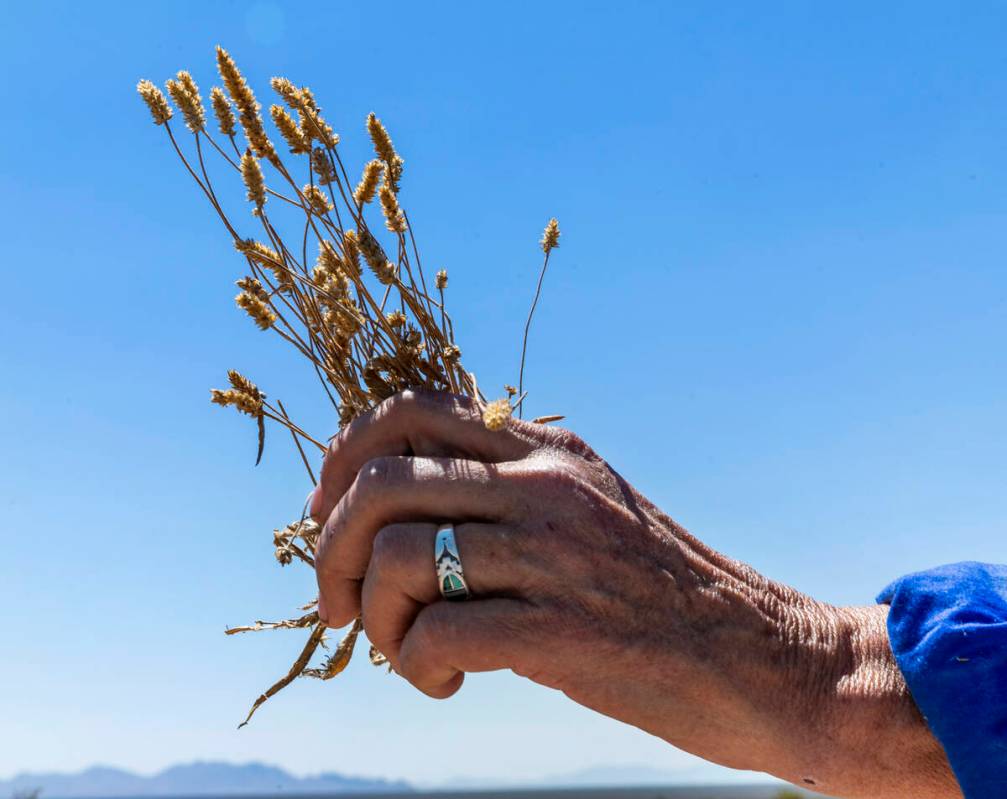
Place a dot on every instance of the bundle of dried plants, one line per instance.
(349, 296)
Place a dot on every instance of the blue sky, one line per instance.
(779, 309)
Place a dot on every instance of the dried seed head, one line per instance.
(441, 280)
(290, 131)
(413, 337)
(386, 274)
(346, 319)
(371, 250)
(395, 220)
(268, 257)
(320, 274)
(251, 174)
(183, 77)
(240, 401)
(452, 353)
(241, 383)
(395, 173)
(322, 166)
(351, 253)
(309, 99)
(222, 111)
(511, 391)
(317, 200)
(368, 182)
(185, 93)
(156, 102)
(258, 252)
(382, 141)
(253, 287)
(288, 91)
(328, 260)
(283, 555)
(386, 151)
(550, 238)
(248, 107)
(378, 388)
(334, 290)
(396, 318)
(260, 312)
(243, 395)
(314, 127)
(383, 269)
(496, 414)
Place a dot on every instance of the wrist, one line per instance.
(863, 736)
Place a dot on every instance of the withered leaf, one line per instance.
(293, 674)
(340, 658)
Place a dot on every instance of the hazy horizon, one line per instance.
(639, 774)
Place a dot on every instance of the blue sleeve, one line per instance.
(948, 629)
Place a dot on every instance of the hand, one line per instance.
(582, 585)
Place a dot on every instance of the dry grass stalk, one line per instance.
(366, 333)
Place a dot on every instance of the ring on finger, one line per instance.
(448, 565)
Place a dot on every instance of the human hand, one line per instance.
(582, 585)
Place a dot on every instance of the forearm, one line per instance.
(815, 689)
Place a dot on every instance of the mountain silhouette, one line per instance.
(192, 779)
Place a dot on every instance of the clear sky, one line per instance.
(779, 309)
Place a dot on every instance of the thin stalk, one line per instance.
(527, 327)
(297, 443)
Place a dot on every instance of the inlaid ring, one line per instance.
(448, 565)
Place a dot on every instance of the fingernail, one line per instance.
(315, 501)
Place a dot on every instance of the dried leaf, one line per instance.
(293, 674)
(377, 659)
(262, 439)
(286, 624)
(339, 659)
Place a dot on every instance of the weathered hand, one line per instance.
(582, 585)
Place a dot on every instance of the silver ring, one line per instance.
(448, 563)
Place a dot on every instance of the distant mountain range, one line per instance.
(193, 779)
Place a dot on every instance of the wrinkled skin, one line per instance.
(582, 585)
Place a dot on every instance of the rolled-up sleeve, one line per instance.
(948, 630)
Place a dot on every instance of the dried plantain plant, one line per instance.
(352, 299)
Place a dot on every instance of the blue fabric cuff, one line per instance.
(948, 629)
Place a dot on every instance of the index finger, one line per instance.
(415, 422)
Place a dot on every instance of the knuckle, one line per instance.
(389, 548)
(400, 406)
(429, 402)
(394, 404)
(376, 474)
(545, 475)
(563, 474)
(388, 411)
(570, 442)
